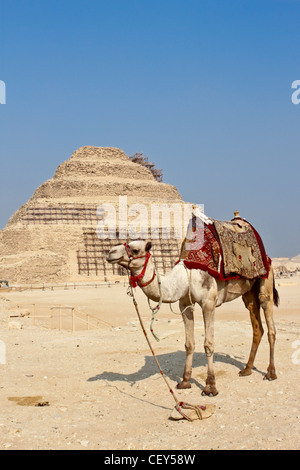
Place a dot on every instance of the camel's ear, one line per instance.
(148, 246)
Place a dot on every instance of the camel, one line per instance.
(190, 286)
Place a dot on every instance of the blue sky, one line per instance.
(201, 87)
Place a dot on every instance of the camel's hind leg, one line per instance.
(251, 302)
(266, 299)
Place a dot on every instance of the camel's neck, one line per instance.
(173, 285)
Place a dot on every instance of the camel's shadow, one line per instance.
(172, 366)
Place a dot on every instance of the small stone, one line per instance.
(84, 443)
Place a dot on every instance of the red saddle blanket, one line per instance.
(226, 250)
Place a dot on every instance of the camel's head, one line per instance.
(130, 255)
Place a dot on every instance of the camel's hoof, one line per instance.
(245, 372)
(270, 377)
(271, 374)
(211, 392)
(182, 385)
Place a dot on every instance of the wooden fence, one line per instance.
(59, 317)
(64, 286)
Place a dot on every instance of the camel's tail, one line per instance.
(275, 294)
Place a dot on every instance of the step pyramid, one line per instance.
(53, 237)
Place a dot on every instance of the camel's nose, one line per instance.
(111, 254)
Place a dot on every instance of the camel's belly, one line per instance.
(233, 289)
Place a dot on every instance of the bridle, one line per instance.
(137, 280)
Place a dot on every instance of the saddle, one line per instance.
(226, 249)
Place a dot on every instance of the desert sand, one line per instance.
(100, 389)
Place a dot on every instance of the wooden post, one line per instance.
(33, 316)
(78, 262)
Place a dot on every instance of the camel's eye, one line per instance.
(135, 251)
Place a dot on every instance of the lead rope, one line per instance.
(154, 310)
(179, 405)
(192, 306)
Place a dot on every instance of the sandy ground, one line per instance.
(100, 389)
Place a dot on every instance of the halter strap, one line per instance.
(130, 255)
(137, 280)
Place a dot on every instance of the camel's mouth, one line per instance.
(113, 260)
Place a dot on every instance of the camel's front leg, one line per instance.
(188, 319)
(208, 310)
